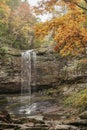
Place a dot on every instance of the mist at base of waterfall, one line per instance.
(40, 104)
(35, 108)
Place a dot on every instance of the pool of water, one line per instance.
(21, 105)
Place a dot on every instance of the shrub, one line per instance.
(78, 100)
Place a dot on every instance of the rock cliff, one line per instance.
(51, 70)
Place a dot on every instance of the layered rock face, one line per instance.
(51, 70)
(10, 68)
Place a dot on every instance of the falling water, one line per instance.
(28, 71)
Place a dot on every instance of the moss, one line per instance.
(43, 98)
(82, 64)
(78, 100)
(2, 101)
(3, 50)
(14, 105)
(51, 91)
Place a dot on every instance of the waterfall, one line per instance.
(28, 74)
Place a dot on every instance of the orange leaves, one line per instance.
(41, 30)
(73, 4)
(5, 8)
(69, 30)
(4, 12)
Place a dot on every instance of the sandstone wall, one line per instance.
(51, 70)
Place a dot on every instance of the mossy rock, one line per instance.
(83, 115)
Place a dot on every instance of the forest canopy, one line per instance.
(68, 28)
(16, 24)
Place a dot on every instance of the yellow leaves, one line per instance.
(41, 30)
(78, 99)
(84, 31)
(4, 8)
(69, 31)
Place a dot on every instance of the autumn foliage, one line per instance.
(69, 31)
(16, 24)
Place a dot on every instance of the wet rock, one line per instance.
(4, 126)
(20, 121)
(83, 115)
(5, 116)
(66, 127)
(78, 122)
(36, 128)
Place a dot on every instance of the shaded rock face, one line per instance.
(10, 68)
(51, 70)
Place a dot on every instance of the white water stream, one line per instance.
(28, 70)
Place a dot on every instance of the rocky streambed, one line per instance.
(46, 121)
(43, 114)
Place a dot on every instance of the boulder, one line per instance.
(66, 127)
(83, 115)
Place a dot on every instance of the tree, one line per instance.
(21, 26)
(16, 25)
(77, 3)
(69, 30)
(4, 15)
(49, 5)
